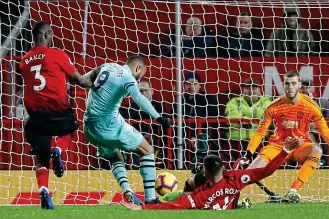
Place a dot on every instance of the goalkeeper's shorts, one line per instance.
(272, 150)
(109, 136)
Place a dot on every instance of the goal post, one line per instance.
(200, 55)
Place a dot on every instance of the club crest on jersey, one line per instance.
(290, 123)
(300, 115)
(245, 178)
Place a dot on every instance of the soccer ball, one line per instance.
(165, 183)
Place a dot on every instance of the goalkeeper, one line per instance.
(292, 114)
(105, 127)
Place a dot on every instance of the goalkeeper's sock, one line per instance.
(147, 171)
(120, 174)
(306, 170)
(42, 175)
(63, 142)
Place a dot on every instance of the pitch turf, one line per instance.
(261, 211)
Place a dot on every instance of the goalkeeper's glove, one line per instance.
(249, 156)
(172, 196)
(241, 163)
(292, 143)
(163, 121)
(244, 162)
(244, 203)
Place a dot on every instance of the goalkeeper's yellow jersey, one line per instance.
(290, 120)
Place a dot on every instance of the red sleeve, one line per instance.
(184, 202)
(21, 66)
(242, 178)
(65, 63)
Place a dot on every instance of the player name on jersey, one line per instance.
(218, 193)
(34, 57)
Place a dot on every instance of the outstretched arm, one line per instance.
(180, 204)
(321, 125)
(249, 176)
(142, 101)
(70, 70)
(81, 80)
(261, 130)
(92, 75)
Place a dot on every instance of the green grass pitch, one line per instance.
(257, 211)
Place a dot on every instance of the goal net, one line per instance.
(233, 53)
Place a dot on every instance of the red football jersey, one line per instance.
(223, 195)
(44, 71)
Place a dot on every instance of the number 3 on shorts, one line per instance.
(38, 76)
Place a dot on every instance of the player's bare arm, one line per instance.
(138, 69)
(80, 80)
(92, 75)
(132, 206)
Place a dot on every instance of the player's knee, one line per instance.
(188, 187)
(117, 157)
(149, 150)
(260, 161)
(199, 179)
(43, 160)
(316, 150)
(145, 149)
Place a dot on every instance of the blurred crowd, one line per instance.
(244, 40)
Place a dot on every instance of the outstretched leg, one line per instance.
(119, 171)
(268, 153)
(308, 154)
(147, 171)
(310, 157)
(120, 174)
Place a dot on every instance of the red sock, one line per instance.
(42, 175)
(63, 142)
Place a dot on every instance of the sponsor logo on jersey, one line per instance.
(290, 123)
(191, 201)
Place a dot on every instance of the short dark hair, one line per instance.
(136, 59)
(192, 74)
(244, 13)
(213, 164)
(38, 26)
(251, 82)
(291, 74)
